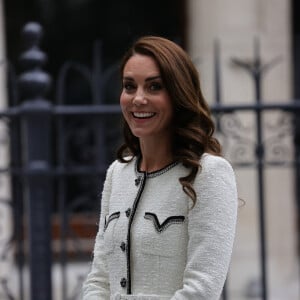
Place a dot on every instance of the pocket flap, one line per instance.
(166, 223)
(113, 216)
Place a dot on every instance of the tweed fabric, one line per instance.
(175, 252)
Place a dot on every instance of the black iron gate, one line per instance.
(56, 149)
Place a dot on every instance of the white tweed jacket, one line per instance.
(152, 246)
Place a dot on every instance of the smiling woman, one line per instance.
(169, 203)
(145, 102)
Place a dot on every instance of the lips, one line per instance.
(143, 115)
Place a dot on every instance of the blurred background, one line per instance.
(60, 126)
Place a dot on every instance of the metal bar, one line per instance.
(99, 129)
(113, 109)
(258, 106)
(17, 200)
(260, 174)
(34, 83)
(217, 80)
(67, 67)
(87, 110)
(217, 72)
(18, 232)
(97, 82)
(218, 84)
(59, 171)
(297, 173)
(62, 206)
(39, 199)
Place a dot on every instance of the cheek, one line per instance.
(124, 100)
(124, 103)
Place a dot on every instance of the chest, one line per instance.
(152, 216)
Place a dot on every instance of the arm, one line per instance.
(96, 285)
(211, 231)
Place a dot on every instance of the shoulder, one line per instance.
(215, 184)
(215, 171)
(212, 163)
(116, 173)
(117, 167)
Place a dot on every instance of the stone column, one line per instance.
(236, 24)
(6, 262)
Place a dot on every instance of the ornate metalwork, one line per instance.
(279, 132)
(235, 136)
(236, 132)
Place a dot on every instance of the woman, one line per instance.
(169, 202)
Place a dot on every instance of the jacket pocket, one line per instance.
(164, 236)
(160, 227)
(109, 227)
(113, 216)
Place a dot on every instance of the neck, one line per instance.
(155, 155)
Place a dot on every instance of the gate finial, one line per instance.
(34, 82)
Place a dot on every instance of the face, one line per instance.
(145, 103)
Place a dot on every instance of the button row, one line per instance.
(123, 281)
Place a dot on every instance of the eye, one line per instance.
(128, 86)
(155, 86)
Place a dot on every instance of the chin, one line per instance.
(139, 134)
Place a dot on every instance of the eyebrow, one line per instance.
(147, 79)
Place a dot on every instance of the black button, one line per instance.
(128, 212)
(123, 246)
(123, 282)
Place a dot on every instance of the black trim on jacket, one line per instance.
(134, 207)
(161, 227)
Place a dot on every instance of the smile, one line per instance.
(143, 115)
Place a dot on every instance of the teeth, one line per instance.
(143, 115)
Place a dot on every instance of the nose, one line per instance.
(139, 98)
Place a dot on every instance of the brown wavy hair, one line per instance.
(193, 127)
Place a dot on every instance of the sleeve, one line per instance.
(96, 285)
(211, 230)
